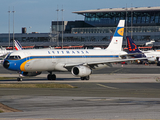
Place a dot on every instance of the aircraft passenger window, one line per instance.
(19, 57)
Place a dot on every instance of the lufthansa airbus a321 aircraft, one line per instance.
(80, 62)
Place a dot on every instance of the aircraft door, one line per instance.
(84, 56)
(54, 60)
(27, 59)
(27, 56)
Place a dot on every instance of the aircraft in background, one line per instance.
(151, 42)
(150, 55)
(4, 52)
(18, 46)
(80, 62)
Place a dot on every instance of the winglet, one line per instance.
(117, 39)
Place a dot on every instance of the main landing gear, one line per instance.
(51, 76)
(85, 78)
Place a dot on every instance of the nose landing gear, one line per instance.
(19, 79)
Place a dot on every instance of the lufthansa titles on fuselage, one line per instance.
(68, 52)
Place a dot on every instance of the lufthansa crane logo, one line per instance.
(120, 31)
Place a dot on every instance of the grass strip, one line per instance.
(1, 111)
(7, 78)
(49, 85)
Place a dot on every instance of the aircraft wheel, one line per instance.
(82, 78)
(49, 77)
(87, 77)
(53, 77)
(19, 79)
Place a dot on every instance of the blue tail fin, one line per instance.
(132, 48)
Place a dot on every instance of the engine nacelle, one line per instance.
(28, 74)
(81, 71)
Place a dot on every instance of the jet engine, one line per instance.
(81, 71)
(28, 74)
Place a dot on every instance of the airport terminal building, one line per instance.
(97, 28)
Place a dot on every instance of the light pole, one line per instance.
(9, 26)
(126, 24)
(29, 29)
(13, 26)
(131, 20)
(62, 26)
(57, 27)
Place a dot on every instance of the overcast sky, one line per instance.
(36, 15)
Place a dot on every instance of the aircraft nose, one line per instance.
(6, 64)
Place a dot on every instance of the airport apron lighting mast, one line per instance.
(9, 26)
(13, 26)
(57, 27)
(62, 26)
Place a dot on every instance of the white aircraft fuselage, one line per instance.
(152, 55)
(58, 60)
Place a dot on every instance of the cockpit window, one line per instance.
(13, 57)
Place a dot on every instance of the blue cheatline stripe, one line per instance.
(33, 57)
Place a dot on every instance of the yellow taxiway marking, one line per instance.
(107, 86)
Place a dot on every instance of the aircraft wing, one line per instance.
(148, 51)
(94, 63)
(129, 54)
(115, 60)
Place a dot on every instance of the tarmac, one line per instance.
(105, 78)
(110, 94)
